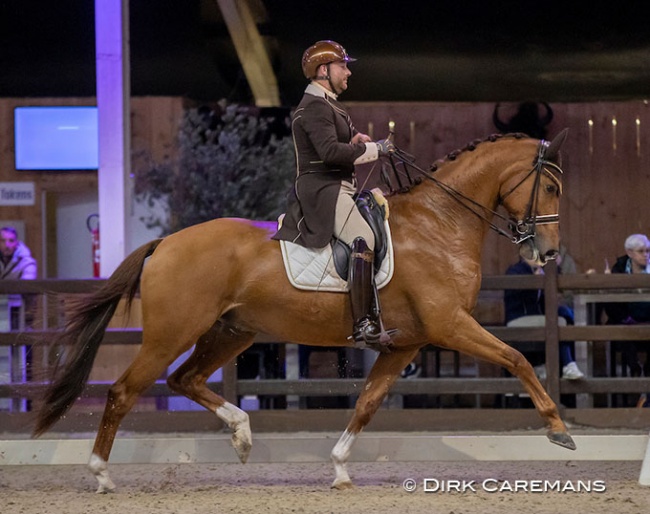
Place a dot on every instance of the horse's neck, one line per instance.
(477, 185)
(459, 224)
(478, 174)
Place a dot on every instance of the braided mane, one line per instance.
(452, 156)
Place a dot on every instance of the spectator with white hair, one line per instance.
(635, 260)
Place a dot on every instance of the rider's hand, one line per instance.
(361, 138)
(385, 146)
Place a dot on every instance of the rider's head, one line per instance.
(327, 61)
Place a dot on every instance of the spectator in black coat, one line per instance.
(635, 260)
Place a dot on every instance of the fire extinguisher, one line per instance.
(92, 222)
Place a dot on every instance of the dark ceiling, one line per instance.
(407, 51)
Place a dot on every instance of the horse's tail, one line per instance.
(83, 334)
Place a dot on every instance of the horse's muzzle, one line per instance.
(529, 251)
(551, 255)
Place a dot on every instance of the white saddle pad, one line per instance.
(313, 269)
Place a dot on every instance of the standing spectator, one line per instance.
(16, 263)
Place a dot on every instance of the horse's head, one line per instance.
(532, 197)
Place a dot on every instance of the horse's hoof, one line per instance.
(242, 442)
(106, 485)
(343, 485)
(562, 439)
(99, 468)
(102, 489)
(243, 450)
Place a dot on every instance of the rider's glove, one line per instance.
(385, 147)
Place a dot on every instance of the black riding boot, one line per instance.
(367, 328)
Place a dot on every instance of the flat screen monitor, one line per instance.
(56, 138)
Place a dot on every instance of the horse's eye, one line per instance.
(551, 188)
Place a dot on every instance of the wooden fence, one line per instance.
(425, 419)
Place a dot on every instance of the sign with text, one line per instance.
(17, 193)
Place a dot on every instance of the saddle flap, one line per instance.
(313, 269)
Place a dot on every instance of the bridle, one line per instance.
(525, 228)
(520, 230)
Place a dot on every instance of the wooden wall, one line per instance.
(154, 127)
(606, 166)
(606, 181)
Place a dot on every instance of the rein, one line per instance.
(520, 230)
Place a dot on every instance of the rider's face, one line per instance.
(339, 73)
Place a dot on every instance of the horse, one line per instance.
(216, 285)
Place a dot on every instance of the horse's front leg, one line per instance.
(383, 374)
(472, 339)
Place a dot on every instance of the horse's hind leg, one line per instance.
(213, 350)
(145, 369)
(383, 374)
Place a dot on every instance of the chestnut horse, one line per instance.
(218, 284)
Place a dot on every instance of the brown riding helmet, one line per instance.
(322, 52)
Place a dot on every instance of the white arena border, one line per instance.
(316, 447)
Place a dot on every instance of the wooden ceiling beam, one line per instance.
(251, 51)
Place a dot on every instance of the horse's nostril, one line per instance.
(551, 255)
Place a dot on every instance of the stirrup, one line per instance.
(379, 341)
(366, 330)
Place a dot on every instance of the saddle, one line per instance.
(375, 214)
(326, 269)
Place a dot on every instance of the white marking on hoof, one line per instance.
(99, 468)
(239, 422)
(340, 455)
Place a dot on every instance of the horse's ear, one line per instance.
(552, 151)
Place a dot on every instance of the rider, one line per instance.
(322, 204)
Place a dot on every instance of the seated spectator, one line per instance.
(635, 260)
(530, 302)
